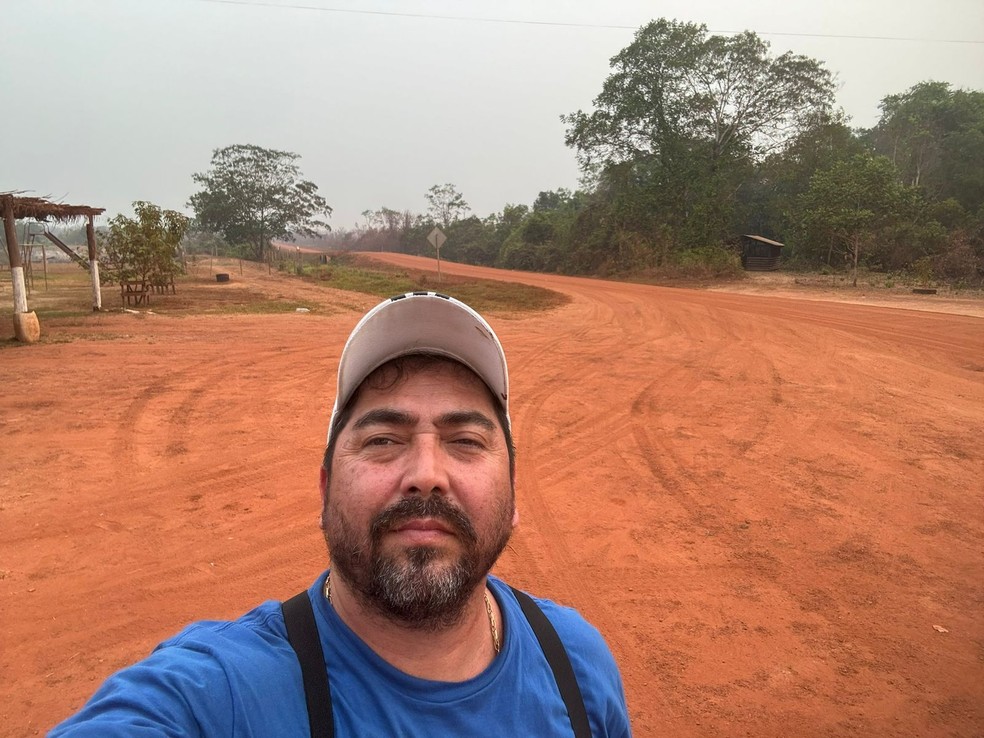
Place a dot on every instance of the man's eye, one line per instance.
(379, 441)
(468, 442)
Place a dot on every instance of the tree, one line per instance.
(769, 199)
(144, 248)
(541, 240)
(446, 204)
(674, 85)
(935, 137)
(560, 199)
(498, 227)
(680, 121)
(851, 204)
(467, 241)
(252, 194)
(390, 230)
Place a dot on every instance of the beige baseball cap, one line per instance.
(421, 323)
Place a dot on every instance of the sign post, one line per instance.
(437, 239)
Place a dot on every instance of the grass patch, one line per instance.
(349, 273)
(359, 279)
(256, 306)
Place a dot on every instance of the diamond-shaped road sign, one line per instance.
(437, 238)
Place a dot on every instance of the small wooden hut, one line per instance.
(759, 254)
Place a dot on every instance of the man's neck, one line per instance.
(452, 654)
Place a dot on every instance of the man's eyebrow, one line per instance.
(384, 416)
(466, 417)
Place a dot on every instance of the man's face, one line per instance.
(420, 500)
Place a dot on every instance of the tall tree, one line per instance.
(497, 228)
(446, 204)
(935, 137)
(675, 85)
(559, 199)
(681, 119)
(251, 195)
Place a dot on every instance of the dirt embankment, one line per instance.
(771, 507)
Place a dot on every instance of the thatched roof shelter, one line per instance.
(42, 209)
(14, 207)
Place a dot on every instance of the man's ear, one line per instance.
(323, 485)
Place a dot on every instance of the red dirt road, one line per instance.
(773, 508)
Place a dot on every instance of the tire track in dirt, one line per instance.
(924, 330)
(213, 550)
(633, 335)
(542, 545)
(633, 332)
(137, 434)
(550, 557)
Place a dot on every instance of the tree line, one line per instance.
(696, 139)
(693, 140)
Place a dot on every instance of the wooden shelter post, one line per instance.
(90, 237)
(13, 252)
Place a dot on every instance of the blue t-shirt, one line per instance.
(242, 678)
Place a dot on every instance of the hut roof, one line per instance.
(40, 208)
(762, 239)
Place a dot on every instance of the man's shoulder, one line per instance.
(563, 617)
(204, 681)
(262, 628)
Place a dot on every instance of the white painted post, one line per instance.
(96, 293)
(90, 237)
(20, 289)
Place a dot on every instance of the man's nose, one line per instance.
(427, 467)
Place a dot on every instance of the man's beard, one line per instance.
(421, 586)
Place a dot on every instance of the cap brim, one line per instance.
(421, 322)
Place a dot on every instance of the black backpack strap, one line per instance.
(302, 632)
(559, 661)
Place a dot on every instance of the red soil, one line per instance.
(771, 507)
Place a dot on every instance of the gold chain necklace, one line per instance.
(488, 608)
(495, 633)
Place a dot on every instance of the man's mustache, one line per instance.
(432, 506)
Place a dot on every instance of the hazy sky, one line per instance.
(111, 101)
